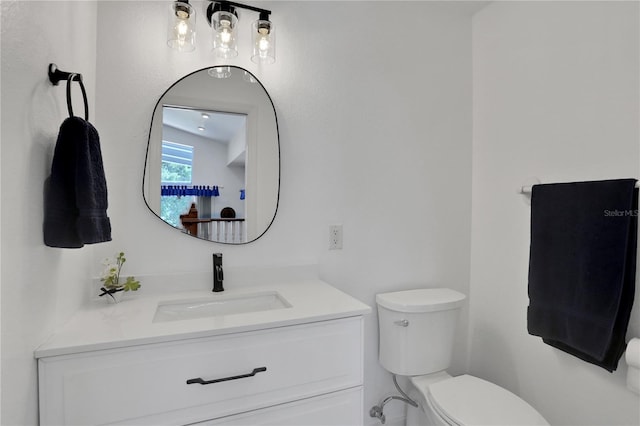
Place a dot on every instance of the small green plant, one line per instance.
(111, 278)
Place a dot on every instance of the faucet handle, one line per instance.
(219, 273)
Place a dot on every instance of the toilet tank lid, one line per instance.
(421, 300)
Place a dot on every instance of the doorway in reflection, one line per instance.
(203, 172)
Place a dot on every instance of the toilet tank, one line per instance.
(417, 329)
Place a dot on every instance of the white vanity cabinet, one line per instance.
(306, 374)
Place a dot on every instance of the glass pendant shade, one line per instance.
(181, 33)
(220, 72)
(224, 24)
(249, 78)
(264, 42)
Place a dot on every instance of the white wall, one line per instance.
(366, 122)
(556, 97)
(237, 151)
(368, 128)
(41, 286)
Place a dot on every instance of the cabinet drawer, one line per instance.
(147, 384)
(342, 408)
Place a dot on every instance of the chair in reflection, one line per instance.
(228, 213)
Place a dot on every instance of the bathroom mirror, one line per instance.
(212, 169)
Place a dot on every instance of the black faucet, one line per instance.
(218, 276)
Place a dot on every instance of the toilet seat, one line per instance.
(469, 400)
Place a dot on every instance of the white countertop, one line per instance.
(106, 326)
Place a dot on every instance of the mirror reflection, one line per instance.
(213, 165)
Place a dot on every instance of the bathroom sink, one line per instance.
(212, 306)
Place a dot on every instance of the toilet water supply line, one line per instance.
(377, 410)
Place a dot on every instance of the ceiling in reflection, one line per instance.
(218, 126)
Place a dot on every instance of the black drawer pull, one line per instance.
(199, 381)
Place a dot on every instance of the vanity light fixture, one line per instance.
(220, 72)
(181, 34)
(249, 78)
(223, 18)
(264, 40)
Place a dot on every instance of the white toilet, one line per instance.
(417, 329)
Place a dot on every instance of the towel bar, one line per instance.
(527, 189)
(55, 76)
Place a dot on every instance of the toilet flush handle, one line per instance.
(402, 323)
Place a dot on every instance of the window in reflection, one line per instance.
(177, 163)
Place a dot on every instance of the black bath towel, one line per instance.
(76, 191)
(582, 267)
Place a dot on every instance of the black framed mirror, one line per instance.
(212, 168)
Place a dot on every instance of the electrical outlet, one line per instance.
(335, 237)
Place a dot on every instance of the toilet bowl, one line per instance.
(417, 329)
(467, 400)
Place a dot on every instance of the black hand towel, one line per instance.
(76, 191)
(582, 267)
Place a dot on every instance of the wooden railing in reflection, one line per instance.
(224, 230)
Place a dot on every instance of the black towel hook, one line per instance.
(55, 76)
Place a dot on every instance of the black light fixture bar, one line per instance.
(223, 17)
(229, 5)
